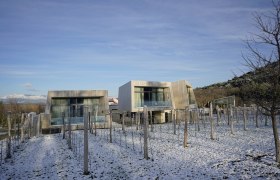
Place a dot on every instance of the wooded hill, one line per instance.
(218, 90)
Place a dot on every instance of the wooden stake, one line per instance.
(86, 116)
(146, 156)
(110, 123)
(244, 117)
(186, 127)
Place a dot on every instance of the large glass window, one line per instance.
(150, 96)
(72, 107)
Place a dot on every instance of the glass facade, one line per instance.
(73, 108)
(150, 96)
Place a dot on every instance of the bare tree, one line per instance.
(262, 85)
(14, 107)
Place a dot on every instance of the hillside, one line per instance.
(214, 91)
(231, 87)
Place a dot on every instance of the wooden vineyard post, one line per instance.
(236, 115)
(218, 115)
(186, 127)
(38, 125)
(146, 156)
(110, 124)
(132, 121)
(244, 117)
(18, 128)
(69, 129)
(8, 155)
(151, 118)
(231, 120)
(95, 119)
(9, 123)
(204, 119)
(90, 120)
(228, 113)
(137, 120)
(29, 125)
(8, 151)
(174, 122)
(257, 116)
(123, 129)
(197, 118)
(22, 126)
(63, 121)
(212, 122)
(86, 116)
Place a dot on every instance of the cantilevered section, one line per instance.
(74, 104)
(159, 97)
(134, 95)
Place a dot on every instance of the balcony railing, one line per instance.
(154, 104)
(76, 120)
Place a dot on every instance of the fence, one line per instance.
(27, 128)
(7, 148)
(129, 135)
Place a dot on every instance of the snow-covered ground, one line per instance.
(243, 155)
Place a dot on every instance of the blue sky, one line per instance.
(102, 44)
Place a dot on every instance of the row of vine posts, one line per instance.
(141, 127)
(28, 127)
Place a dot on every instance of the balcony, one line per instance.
(153, 104)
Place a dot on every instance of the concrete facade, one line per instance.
(159, 97)
(182, 94)
(73, 104)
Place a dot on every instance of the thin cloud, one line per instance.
(85, 43)
(29, 87)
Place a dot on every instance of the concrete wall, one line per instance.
(125, 97)
(45, 120)
(102, 94)
(178, 93)
(147, 84)
(182, 94)
(159, 117)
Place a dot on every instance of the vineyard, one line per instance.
(229, 151)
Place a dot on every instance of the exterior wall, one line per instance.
(159, 116)
(103, 106)
(85, 93)
(45, 120)
(146, 84)
(125, 97)
(179, 93)
(182, 94)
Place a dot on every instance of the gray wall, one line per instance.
(102, 94)
(181, 94)
(125, 97)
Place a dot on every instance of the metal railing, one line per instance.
(154, 104)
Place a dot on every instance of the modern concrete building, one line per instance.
(73, 104)
(159, 97)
